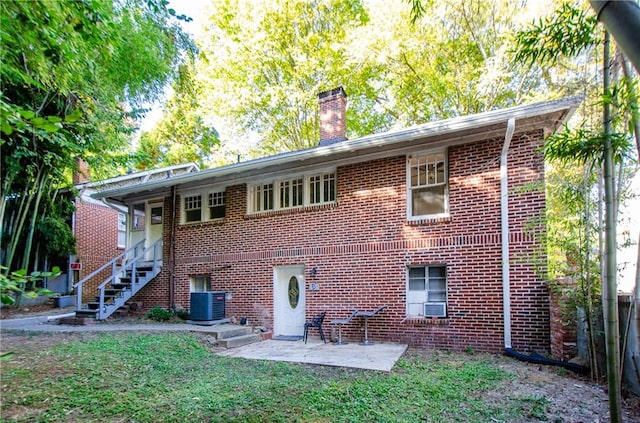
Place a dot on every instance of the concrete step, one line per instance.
(231, 331)
(238, 341)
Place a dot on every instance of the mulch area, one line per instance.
(13, 312)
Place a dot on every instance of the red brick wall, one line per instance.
(96, 230)
(563, 320)
(362, 246)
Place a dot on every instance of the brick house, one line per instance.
(441, 222)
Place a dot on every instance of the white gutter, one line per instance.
(504, 215)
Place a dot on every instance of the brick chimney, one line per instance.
(333, 110)
(82, 173)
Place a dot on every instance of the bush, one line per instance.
(159, 314)
(183, 313)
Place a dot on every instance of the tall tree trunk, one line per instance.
(585, 276)
(34, 218)
(611, 301)
(23, 211)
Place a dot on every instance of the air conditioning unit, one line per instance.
(207, 306)
(435, 309)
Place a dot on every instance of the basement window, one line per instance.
(201, 283)
(427, 291)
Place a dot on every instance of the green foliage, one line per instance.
(564, 33)
(69, 72)
(172, 377)
(182, 314)
(160, 314)
(262, 77)
(19, 283)
(181, 135)
(585, 146)
(535, 407)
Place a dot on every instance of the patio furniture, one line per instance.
(366, 315)
(315, 322)
(341, 322)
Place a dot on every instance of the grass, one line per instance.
(175, 378)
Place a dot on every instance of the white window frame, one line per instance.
(416, 298)
(122, 230)
(429, 157)
(200, 283)
(216, 199)
(293, 192)
(259, 200)
(192, 202)
(219, 197)
(138, 211)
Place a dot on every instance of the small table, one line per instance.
(366, 315)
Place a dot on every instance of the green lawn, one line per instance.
(175, 378)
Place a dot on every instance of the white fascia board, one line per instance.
(425, 131)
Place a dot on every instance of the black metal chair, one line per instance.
(341, 322)
(315, 322)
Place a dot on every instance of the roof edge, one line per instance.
(570, 104)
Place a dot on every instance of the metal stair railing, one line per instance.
(129, 265)
(133, 251)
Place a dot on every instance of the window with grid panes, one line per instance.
(262, 197)
(322, 188)
(216, 205)
(290, 193)
(427, 184)
(193, 208)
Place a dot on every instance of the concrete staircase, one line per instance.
(232, 336)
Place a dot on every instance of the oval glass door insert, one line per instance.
(294, 292)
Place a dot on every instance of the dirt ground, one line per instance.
(554, 394)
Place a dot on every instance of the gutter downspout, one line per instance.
(504, 217)
(622, 20)
(172, 250)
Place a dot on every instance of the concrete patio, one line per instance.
(376, 356)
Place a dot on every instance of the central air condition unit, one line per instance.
(435, 309)
(207, 306)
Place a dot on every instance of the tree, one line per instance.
(70, 71)
(182, 135)
(265, 75)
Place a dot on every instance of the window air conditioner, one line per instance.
(435, 309)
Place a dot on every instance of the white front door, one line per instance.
(154, 225)
(288, 301)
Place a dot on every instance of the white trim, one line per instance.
(421, 303)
